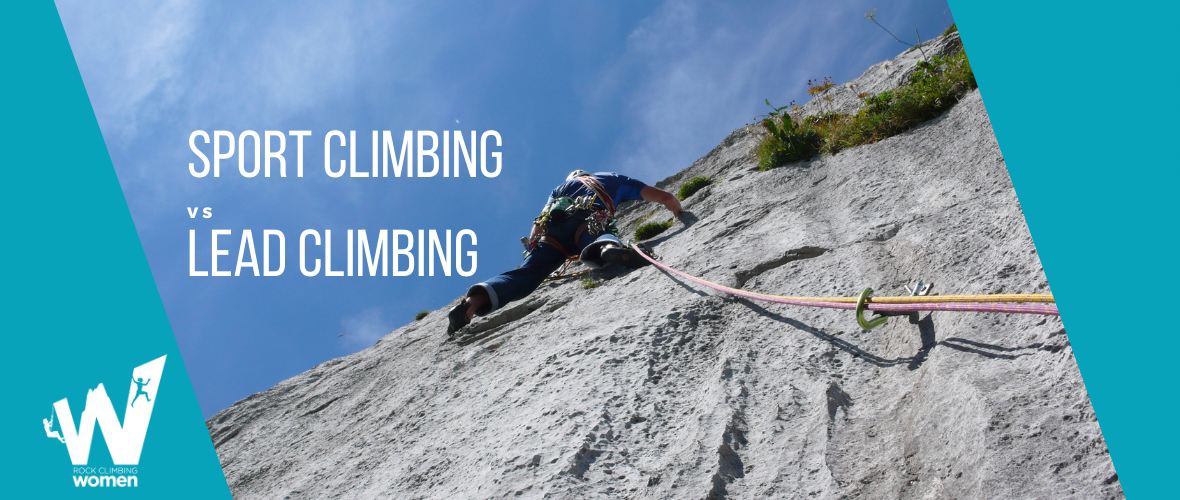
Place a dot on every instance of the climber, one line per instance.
(49, 432)
(139, 390)
(576, 222)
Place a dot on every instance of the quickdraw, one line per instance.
(599, 190)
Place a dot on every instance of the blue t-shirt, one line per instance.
(620, 188)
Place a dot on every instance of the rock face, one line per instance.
(651, 387)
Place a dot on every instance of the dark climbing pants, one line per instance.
(540, 263)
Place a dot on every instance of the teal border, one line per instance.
(80, 305)
(1081, 96)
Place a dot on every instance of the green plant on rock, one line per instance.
(825, 118)
(817, 87)
(651, 229)
(786, 141)
(933, 88)
(935, 85)
(589, 283)
(419, 316)
(692, 186)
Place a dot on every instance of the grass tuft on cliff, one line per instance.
(651, 230)
(933, 87)
(692, 186)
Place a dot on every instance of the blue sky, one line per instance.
(642, 88)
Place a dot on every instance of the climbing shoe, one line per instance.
(458, 318)
(625, 257)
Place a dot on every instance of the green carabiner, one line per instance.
(860, 312)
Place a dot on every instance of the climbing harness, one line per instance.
(1004, 303)
(598, 221)
(553, 241)
(561, 209)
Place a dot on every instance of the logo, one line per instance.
(124, 440)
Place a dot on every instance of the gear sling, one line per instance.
(596, 222)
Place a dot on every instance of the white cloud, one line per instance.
(672, 29)
(127, 54)
(365, 328)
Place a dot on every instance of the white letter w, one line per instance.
(123, 441)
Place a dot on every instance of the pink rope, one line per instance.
(1049, 309)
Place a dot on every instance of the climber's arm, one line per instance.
(663, 197)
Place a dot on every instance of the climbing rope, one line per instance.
(1025, 303)
(1043, 298)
